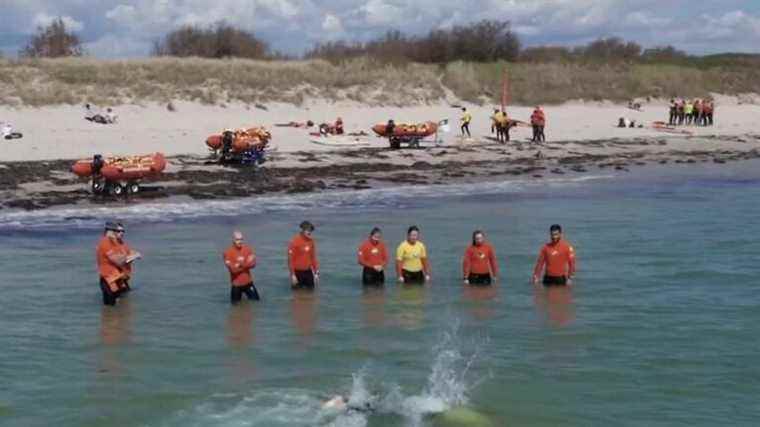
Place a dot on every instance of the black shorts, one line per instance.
(413, 277)
(250, 291)
(305, 279)
(555, 281)
(370, 276)
(479, 279)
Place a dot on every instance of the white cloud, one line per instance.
(42, 19)
(295, 24)
(332, 24)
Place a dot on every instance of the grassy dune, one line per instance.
(210, 81)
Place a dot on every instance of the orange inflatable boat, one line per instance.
(242, 140)
(407, 130)
(119, 174)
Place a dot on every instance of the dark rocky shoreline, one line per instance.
(36, 185)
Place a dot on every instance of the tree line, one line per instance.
(483, 41)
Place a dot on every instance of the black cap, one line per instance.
(306, 225)
(114, 226)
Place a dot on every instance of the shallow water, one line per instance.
(660, 329)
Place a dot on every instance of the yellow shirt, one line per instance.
(411, 256)
(466, 118)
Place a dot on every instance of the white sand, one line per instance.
(60, 132)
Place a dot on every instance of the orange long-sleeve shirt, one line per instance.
(302, 254)
(240, 262)
(372, 254)
(480, 259)
(556, 259)
(108, 246)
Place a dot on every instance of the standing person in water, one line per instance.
(412, 265)
(303, 264)
(240, 259)
(114, 259)
(373, 257)
(556, 261)
(479, 265)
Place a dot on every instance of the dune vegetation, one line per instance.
(75, 80)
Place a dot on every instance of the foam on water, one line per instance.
(448, 386)
(166, 211)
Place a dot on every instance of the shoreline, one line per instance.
(43, 184)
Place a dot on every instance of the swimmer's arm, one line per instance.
(425, 266)
(539, 266)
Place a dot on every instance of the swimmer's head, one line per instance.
(413, 234)
(556, 232)
(375, 235)
(237, 238)
(478, 237)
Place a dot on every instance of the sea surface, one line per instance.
(660, 329)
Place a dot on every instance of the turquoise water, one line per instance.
(660, 329)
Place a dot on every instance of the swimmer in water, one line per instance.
(556, 261)
(479, 265)
(412, 265)
(373, 257)
(302, 258)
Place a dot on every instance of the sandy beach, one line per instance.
(580, 136)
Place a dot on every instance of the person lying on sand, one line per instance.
(110, 116)
(92, 114)
(308, 124)
(6, 131)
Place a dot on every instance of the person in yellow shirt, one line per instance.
(503, 126)
(466, 119)
(495, 121)
(412, 264)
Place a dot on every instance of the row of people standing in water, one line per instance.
(555, 265)
(698, 112)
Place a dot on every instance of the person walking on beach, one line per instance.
(672, 112)
(479, 265)
(556, 260)
(373, 257)
(538, 121)
(503, 126)
(240, 259)
(495, 121)
(303, 264)
(466, 119)
(412, 265)
(114, 258)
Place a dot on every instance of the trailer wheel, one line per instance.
(395, 143)
(133, 188)
(117, 189)
(97, 186)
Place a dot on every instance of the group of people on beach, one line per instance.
(501, 124)
(698, 112)
(555, 265)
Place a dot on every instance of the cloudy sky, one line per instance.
(127, 28)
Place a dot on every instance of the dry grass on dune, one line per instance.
(548, 83)
(211, 81)
(215, 81)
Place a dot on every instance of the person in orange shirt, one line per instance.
(114, 258)
(373, 256)
(240, 259)
(556, 260)
(479, 266)
(302, 258)
(538, 121)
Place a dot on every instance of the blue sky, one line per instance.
(127, 28)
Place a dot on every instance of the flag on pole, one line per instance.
(504, 90)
